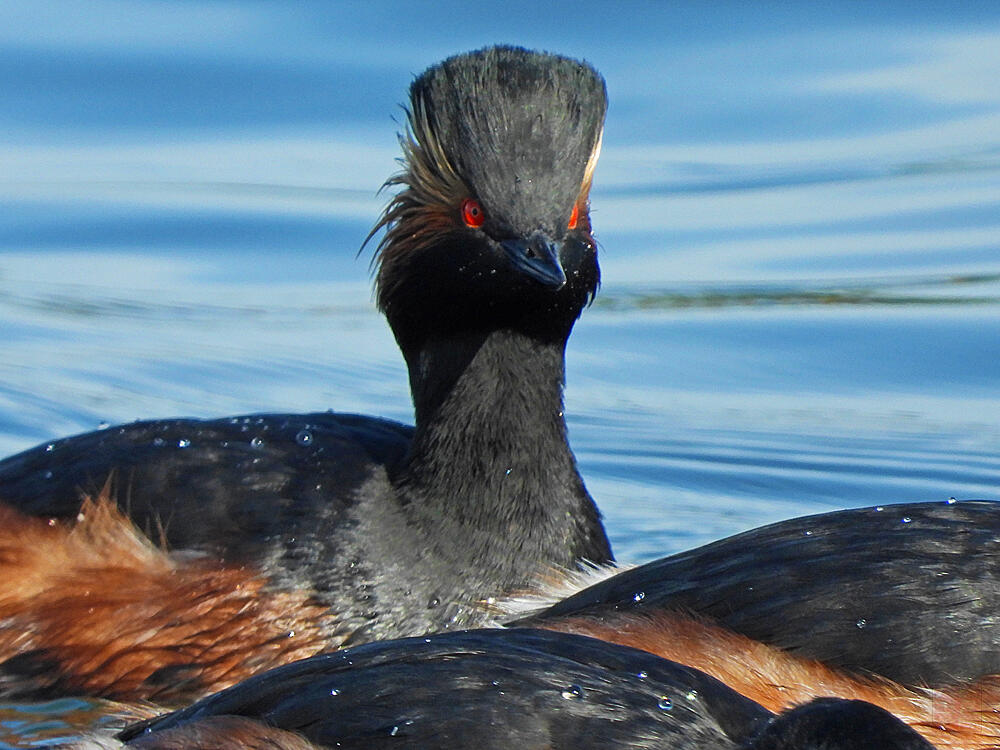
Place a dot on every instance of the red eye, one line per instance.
(573, 217)
(472, 213)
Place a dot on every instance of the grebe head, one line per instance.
(491, 229)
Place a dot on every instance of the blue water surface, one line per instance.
(798, 209)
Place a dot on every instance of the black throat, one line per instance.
(490, 467)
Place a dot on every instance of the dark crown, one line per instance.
(517, 130)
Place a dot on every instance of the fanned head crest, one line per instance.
(419, 211)
(518, 131)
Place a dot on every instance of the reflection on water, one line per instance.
(56, 721)
(980, 289)
(798, 210)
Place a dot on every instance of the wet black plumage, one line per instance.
(526, 689)
(909, 592)
(400, 530)
(838, 724)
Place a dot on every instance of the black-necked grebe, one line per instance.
(320, 530)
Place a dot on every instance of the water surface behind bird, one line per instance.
(799, 214)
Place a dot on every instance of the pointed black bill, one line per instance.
(538, 258)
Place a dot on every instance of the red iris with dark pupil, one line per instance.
(472, 213)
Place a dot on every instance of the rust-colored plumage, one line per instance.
(963, 718)
(121, 618)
